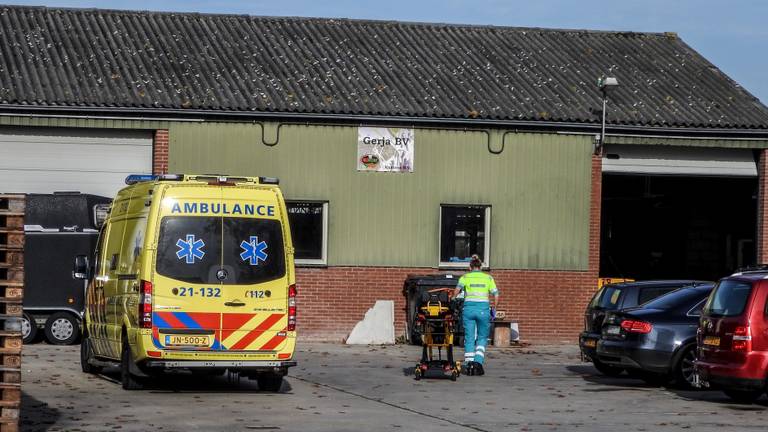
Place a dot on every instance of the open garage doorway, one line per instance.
(661, 226)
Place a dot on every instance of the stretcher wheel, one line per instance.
(417, 373)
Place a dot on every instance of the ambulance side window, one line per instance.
(97, 260)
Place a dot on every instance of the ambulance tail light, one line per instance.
(145, 305)
(292, 308)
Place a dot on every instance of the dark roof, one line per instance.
(150, 60)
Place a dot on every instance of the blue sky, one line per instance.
(731, 34)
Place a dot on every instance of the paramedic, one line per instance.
(476, 287)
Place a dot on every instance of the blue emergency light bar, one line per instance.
(138, 178)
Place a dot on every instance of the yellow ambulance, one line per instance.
(192, 272)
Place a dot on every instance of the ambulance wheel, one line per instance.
(129, 381)
(28, 328)
(86, 355)
(62, 328)
(269, 382)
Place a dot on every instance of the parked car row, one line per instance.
(690, 333)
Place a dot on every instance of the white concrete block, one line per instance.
(377, 327)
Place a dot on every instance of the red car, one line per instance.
(733, 336)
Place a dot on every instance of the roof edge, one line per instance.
(166, 114)
(664, 34)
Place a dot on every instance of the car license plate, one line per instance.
(613, 330)
(590, 343)
(187, 340)
(712, 341)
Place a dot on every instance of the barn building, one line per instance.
(406, 147)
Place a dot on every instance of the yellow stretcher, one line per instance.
(436, 322)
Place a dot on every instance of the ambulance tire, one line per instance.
(269, 382)
(62, 328)
(129, 381)
(28, 328)
(86, 355)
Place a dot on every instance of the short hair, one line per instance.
(475, 262)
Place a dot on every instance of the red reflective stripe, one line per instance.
(274, 342)
(205, 320)
(232, 322)
(258, 331)
(171, 319)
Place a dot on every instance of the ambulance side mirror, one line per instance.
(80, 270)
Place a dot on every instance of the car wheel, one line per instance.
(269, 382)
(607, 370)
(129, 381)
(62, 328)
(684, 371)
(28, 328)
(743, 396)
(86, 355)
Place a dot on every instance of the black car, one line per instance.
(617, 297)
(656, 341)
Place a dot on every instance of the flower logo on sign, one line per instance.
(253, 250)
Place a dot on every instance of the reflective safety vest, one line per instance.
(477, 286)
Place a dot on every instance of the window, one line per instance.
(464, 231)
(309, 230)
(607, 298)
(729, 299)
(649, 293)
(696, 310)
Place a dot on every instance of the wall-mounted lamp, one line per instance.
(604, 84)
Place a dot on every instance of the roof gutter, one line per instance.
(193, 115)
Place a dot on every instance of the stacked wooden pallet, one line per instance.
(11, 293)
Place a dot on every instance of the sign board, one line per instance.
(385, 149)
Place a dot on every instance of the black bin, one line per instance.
(414, 289)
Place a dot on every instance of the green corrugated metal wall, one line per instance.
(538, 187)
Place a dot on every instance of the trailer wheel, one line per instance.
(28, 328)
(62, 328)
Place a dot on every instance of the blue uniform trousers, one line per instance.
(477, 322)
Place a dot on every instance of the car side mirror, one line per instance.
(80, 270)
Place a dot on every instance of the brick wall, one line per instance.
(762, 204)
(549, 305)
(160, 152)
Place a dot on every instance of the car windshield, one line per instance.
(213, 250)
(729, 299)
(678, 298)
(607, 298)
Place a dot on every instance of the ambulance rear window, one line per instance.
(189, 248)
(213, 250)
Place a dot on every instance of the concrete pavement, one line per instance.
(354, 388)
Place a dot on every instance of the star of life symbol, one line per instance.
(191, 249)
(253, 250)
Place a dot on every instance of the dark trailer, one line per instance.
(57, 227)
